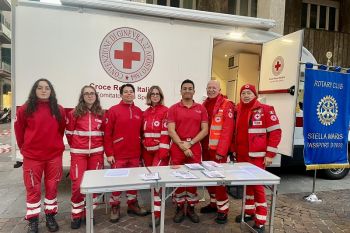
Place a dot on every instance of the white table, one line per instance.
(235, 174)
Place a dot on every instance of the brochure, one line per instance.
(194, 166)
(119, 172)
(184, 174)
(213, 174)
(150, 176)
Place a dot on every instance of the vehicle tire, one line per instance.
(335, 174)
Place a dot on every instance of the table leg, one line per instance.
(272, 207)
(89, 214)
(152, 209)
(243, 207)
(162, 211)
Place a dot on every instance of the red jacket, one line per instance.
(264, 132)
(85, 133)
(40, 136)
(155, 136)
(227, 127)
(122, 137)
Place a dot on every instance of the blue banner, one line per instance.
(326, 111)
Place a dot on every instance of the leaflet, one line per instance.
(150, 176)
(194, 166)
(213, 174)
(117, 172)
(184, 175)
(211, 165)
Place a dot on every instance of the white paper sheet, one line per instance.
(117, 173)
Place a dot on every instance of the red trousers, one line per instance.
(151, 158)
(130, 194)
(177, 157)
(218, 194)
(79, 164)
(33, 171)
(255, 203)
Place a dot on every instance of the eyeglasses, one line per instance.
(89, 93)
(155, 94)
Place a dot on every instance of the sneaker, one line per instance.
(156, 222)
(51, 223)
(208, 209)
(75, 223)
(179, 214)
(221, 218)
(134, 208)
(33, 225)
(247, 218)
(191, 214)
(115, 214)
(259, 229)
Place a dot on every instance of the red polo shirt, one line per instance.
(187, 120)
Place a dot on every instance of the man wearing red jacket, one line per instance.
(187, 126)
(123, 145)
(258, 134)
(216, 145)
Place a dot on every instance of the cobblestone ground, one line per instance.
(292, 214)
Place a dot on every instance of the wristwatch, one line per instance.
(192, 143)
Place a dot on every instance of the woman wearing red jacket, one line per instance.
(39, 129)
(84, 133)
(155, 138)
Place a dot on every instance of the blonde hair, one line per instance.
(148, 97)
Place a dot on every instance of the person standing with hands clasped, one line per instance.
(257, 136)
(122, 142)
(217, 144)
(155, 138)
(84, 132)
(187, 126)
(39, 129)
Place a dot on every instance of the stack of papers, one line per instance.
(194, 166)
(117, 172)
(150, 176)
(184, 174)
(213, 174)
(211, 165)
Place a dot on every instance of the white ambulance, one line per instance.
(105, 43)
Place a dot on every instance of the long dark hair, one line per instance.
(81, 109)
(32, 101)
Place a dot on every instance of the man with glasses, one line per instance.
(187, 126)
(123, 146)
(216, 145)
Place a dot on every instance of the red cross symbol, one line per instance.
(277, 66)
(127, 55)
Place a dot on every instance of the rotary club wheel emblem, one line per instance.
(327, 110)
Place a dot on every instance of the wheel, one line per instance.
(335, 174)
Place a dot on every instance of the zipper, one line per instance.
(32, 178)
(130, 111)
(76, 171)
(89, 132)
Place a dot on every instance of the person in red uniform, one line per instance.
(187, 126)
(155, 138)
(39, 129)
(122, 141)
(217, 144)
(84, 132)
(258, 134)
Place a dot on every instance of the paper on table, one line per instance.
(213, 174)
(194, 166)
(117, 173)
(211, 165)
(150, 176)
(184, 174)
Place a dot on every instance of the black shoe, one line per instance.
(191, 214)
(51, 223)
(221, 218)
(208, 209)
(33, 225)
(179, 215)
(247, 218)
(75, 223)
(259, 229)
(156, 222)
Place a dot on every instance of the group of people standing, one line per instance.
(187, 132)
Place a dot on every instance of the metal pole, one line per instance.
(314, 182)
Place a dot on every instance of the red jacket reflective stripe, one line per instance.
(264, 132)
(85, 133)
(221, 126)
(40, 136)
(123, 128)
(155, 130)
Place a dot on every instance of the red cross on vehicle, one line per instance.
(127, 55)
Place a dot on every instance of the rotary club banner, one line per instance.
(326, 119)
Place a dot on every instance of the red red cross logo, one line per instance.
(277, 66)
(127, 55)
